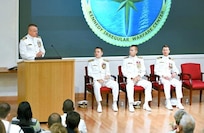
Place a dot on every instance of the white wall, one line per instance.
(8, 33)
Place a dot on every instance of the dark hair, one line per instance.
(5, 109)
(165, 46)
(99, 48)
(24, 113)
(32, 25)
(2, 127)
(68, 106)
(73, 119)
(134, 46)
(54, 118)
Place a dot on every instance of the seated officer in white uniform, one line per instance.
(31, 45)
(98, 68)
(165, 67)
(134, 69)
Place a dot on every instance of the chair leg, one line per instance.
(107, 96)
(140, 96)
(85, 94)
(158, 97)
(126, 101)
(200, 95)
(190, 96)
(92, 101)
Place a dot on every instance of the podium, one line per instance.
(45, 84)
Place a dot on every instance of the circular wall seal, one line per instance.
(125, 22)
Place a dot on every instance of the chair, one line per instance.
(192, 78)
(122, 85)
(27, 129)
(88, 86)
(156, 84)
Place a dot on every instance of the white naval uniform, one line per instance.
(30, 46)
(12, 128)
(98, 69)
(165, 66)
(131, 68)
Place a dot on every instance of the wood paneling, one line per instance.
(45, 84)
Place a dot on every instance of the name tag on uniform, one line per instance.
(29, 44)
(129, 62)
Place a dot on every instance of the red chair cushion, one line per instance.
(193, 69)
(138, 88)
(105, 89)
(196, 84)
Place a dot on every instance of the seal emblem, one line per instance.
(125, 22)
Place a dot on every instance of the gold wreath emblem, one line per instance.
(39, 43)
(104, 65)
(170, 66)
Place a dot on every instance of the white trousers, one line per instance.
(167, 87)
(144, 83)
(110, 84)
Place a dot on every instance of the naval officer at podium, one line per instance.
(31, 45)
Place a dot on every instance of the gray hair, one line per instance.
(184, 120)
(187, 123)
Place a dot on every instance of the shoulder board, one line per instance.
(140, 57)
(106, 60)
(38, 37)
(159, 57)
(126, 57)
(24, 38)
(171, 58)
(90, 60)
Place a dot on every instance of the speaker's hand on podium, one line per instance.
(39, 54)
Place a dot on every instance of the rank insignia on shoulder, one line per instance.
(24, 38)
(106, 60)
(140, 57)
(126, 57)
(38, 36)
(171, 58)
(159, 57)
(90, 60)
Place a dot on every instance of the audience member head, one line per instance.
(33, 30)
(24, 113)
(54, 118)
(58, 128)
(68, 106)
(184, 122)
(5, 109)
(72, 120)
(2, 127)
(133, 50)
(98, 52)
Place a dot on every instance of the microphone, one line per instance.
(56, 51)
